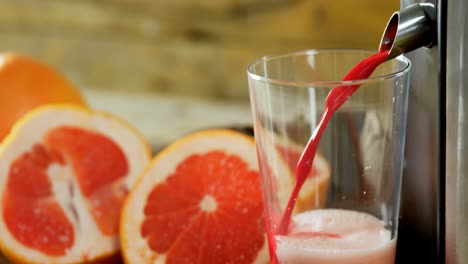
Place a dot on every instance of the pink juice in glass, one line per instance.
(329, 236)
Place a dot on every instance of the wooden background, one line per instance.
(172, 66)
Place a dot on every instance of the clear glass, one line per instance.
(358, 165)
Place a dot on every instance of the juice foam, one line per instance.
(331, 236)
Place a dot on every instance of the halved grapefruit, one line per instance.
(64, 174)
(285, 150)
(200, 201)
(314, 191)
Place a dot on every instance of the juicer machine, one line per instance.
(434, 205)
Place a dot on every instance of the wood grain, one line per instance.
(181, 47)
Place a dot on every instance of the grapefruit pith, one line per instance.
(64, 174)
(199, 201)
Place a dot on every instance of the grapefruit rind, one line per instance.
(135, 247)
(90, 244)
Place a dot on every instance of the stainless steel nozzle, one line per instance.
(409, 29)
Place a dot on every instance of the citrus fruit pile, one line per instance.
(81, 186)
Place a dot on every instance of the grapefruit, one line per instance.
(282, 149)
(25, 84)
(199, 201)
(64, 174)
(314, 191)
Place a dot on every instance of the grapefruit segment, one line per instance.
(27, 175)
(63, 183)
(82, 148)
(39, 224)
(31, 216)
(105, 206)
(200, 201)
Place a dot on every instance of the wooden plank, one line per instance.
(163, 119)
(181, 47)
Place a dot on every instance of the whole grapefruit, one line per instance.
(26, 83)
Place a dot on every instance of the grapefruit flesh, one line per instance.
(199, 201)
(31, 211)
(209, 192)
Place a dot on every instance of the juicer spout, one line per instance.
(410, 29)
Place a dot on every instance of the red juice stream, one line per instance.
(337, 97)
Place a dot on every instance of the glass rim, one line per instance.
(387, 76)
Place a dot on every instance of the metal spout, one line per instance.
(409, 29)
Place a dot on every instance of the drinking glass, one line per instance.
(358, 165)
